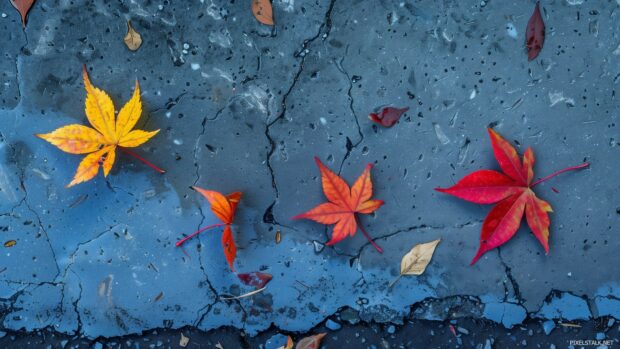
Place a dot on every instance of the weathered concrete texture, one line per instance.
(244, 107)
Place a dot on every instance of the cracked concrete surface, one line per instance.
(244, 107)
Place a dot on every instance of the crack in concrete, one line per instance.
(324, 29)
(349, 145)
(513, 281)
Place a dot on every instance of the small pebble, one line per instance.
(391, 329)
(548, 326)
(332, 325)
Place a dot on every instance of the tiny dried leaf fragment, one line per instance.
(23, 7)
(184, 341)
(133, 39)
(388, 116)
(312, 342)
(535, 33)
(512, 192)
(108, 133)
(344, 203)
(10, 243)
(255, 279)
(263, 12)
(224, 208)
(289, 343)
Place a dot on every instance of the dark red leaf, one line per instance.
(534, 34)
(388, 116)
(23, 6)
(256, 279)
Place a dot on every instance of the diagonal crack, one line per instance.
(323, 32)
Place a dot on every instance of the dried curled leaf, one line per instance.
(263, 12)
(184, 341)
(535, 33)
(388, 116)
(133, 39)
(23, 6)
(10, 243)
(255, 279)
(416, 260)
(312, 342)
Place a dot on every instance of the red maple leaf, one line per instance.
(512, 191)
(344, 203)
(224, 208)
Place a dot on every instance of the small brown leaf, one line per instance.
(278, 237)
(312, 342)
(184, 341)
(10, 243)
(133, 39)
(159, 296)
(262, 11)
(23, 6)
(416, 260)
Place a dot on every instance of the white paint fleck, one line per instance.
(221, 38)
(323, 121)
(574, 2)
(3, 15)
(213, 11)
(557, 97)
(185, 46)
(257, 98)
(41, 174)
(223, 74)
(441, 136)
(473, 93)
(617, 50)
(511, 30)
(168, 114)
(177, 141)
(287, 5)
(195, 66)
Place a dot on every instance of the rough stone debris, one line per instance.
(245, 107)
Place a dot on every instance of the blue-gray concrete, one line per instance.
(243, 106)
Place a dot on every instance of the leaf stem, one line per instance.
(394, 282)
(584, 165)
(182, 241)
(368, 236)
(143, 160)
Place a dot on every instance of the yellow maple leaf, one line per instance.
(109, 132)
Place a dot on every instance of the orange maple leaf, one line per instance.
(344, 203)
(224, 208)
(109, 132)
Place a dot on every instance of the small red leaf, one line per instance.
(23, 6)
(256, 279)
(388, 116)
(535, 33)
